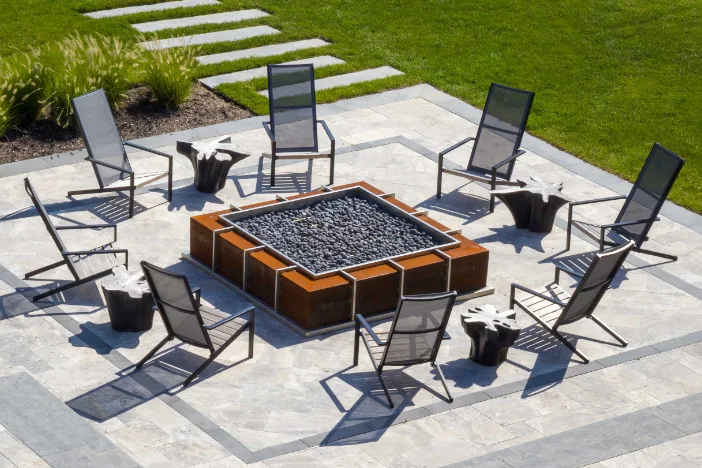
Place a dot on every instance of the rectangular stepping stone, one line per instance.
(145, 8)
(217, 18)
(264, 51)
(261, 72)
(351, 78)
(210, 38)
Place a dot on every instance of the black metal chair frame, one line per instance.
(379, 367)
(269, 126)
(131, 188)
(65, 253)
(493, 180)
(194, 295)
(648, 222)
(589, 314)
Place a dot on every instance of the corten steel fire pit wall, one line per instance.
(318, 302)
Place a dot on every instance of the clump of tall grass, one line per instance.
(89, 63)
(6, 117)
(22, 82)
(169, 74)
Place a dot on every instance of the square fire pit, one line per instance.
(316, 259)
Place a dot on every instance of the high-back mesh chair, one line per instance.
(106, 150)
(641, 208)
(85, 265)
(189, 321)
(553, 304)
(497, 142)
(415, 335)
(293, 113)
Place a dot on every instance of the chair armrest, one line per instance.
(597, 200)
(228, 319)
(537, 294)
(369, 329)
(560, 268)
(90, 226)
(326, 129)
(625, 223)
(267, 127)
(111, 166)
(144, 148)
(457, 145)
(197, 292)
(508, 160)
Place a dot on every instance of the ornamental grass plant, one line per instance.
(22, 86)
(169, 74)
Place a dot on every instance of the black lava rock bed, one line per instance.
(333, 234)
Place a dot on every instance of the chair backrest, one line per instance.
(43, 214)
(292, 106)
(100, 136)
(594, 284)
(417, 329)
(501, 129)
(175, 302)
(649, 192)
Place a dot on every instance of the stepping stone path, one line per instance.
(261, 72)
(210, 38)
(154, 7)
(265, 51)
(217, 18)
(351, 78)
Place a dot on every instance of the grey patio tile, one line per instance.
(84, 457)
(277, 450)
(685, 413)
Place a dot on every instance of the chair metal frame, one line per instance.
(65, 253)
(360, 321)
(493, 180)
(194, 295)
(648, 222)
(269, 126)
(589, 314)
(131, 188)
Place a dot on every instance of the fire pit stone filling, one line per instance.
(338, 233)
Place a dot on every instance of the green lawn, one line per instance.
(611, 77)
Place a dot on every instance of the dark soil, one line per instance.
(138, 117)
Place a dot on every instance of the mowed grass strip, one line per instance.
(610, 76)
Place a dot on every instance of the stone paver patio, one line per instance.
(298, 402)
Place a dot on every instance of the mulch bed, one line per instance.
(139, 117)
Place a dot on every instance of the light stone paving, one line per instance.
(261, 72)
(351, 78)
(232, 35)
(147, 8)
(296, 389)
(263, 51)
(216, 18)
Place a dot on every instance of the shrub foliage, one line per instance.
(169, 74)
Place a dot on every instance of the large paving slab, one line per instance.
(351, 78)
(261, 72)
(263, 51)
(147, 8)
(216, 18)
(210, 38)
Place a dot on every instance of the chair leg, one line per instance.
(562, 339)
(379, 373)
(170, 179)
(492, 203)
(440, 175)
(357, 338)
(200, 369)
(443, 380)
(614, 334)
(251, 339)
(273, 169)
(656, 254)
(43, 269)
(331, 170)
(153, 351)
(569, 228)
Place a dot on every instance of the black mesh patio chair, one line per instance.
(106, 150)
(189, 321)
(293, 113)
(640, 210)
(416, 333)
(496, 146)
(85, 265)
(553, 302)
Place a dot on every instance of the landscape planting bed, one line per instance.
(317, 259)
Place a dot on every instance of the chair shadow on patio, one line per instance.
(466, 206)
(284, 182)
(164, 375)
(369, 417)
